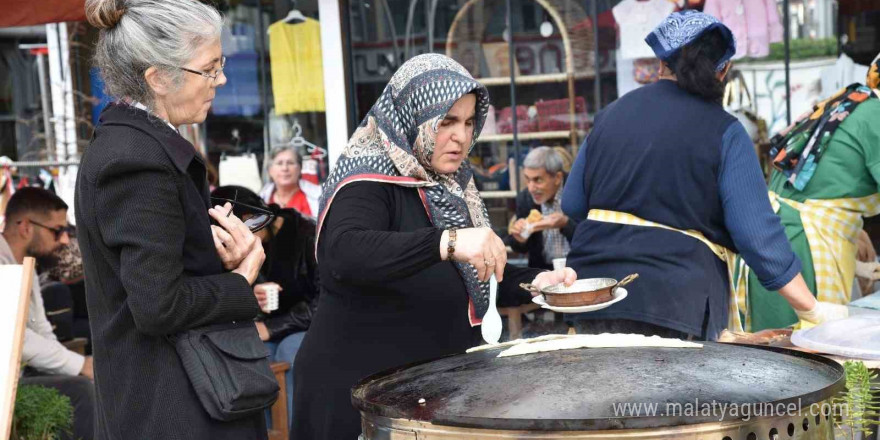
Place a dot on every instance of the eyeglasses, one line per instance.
(281, 163)
(213, 76)
(59, 231)
(260, 219)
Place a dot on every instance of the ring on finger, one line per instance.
(489, 262)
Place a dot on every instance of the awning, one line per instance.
(31, 12)
(854, 7)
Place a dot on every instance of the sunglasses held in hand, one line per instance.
(259, 219)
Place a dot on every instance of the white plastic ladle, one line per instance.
(491, 327)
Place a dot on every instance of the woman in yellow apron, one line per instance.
(825, 180)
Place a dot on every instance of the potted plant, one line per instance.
(40, 414)
(858, 407)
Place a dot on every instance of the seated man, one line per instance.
(36, 226)
(541, 229)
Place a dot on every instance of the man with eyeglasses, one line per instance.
(36, 226)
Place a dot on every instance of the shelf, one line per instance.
(508, 137)
(535, 79)
(498, 194)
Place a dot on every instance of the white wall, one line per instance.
(334, 78)
(766, 82)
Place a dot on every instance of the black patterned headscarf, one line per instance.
(395, 142)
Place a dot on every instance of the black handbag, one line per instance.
(228, 366)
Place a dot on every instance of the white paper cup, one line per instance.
(526, 231)
(558, 263)
(272, 299)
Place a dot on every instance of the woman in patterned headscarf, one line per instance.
(826, 178)
(404, 245)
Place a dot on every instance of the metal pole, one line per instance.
(787, 27)
(47, 112)
(264, 94)
(511, 54)
(597, 81)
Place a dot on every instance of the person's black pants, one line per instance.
(81, 392)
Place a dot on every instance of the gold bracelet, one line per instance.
(450, 245)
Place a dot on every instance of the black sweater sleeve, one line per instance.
(358, 244)
(143, 219)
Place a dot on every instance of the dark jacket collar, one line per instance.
(178, 149)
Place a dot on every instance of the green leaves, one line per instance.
(40, 414)
(858, 407)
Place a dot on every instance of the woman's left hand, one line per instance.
(566, 276)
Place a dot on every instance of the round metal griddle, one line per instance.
(577, 389)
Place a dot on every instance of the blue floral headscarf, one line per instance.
(681, 28)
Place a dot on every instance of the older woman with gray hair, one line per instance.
(287, 189)
(154, 264)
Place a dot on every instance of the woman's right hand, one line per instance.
(232, 239)
(250, 265)
(479, 247)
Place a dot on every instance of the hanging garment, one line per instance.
(844, 72)
(754, 23)
(636, 20)
(297, 68)
(241, 171)
(241, 94)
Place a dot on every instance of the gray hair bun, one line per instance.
(104, 14)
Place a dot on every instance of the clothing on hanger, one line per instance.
(241, 94)
(844, 72)
(241, 171)
(636, 19)
(297, 67)
(294, 16)
(626, 81)
(754, 23)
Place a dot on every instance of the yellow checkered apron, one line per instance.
(832, 227)
(738, 288)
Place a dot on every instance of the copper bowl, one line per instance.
(585, 292)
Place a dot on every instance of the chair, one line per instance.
(76, 345)
(280, 429)
(514, 318)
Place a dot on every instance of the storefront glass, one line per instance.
(256, 111)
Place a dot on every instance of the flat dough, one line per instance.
(604, 340)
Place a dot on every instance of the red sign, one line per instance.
(31, 12)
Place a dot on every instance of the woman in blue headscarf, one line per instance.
(669, 186)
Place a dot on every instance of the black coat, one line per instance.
(534, 245)
(290, 262)
(151, 271)
(387, 299)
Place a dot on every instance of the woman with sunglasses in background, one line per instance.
(289, 240)
(154, 265)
